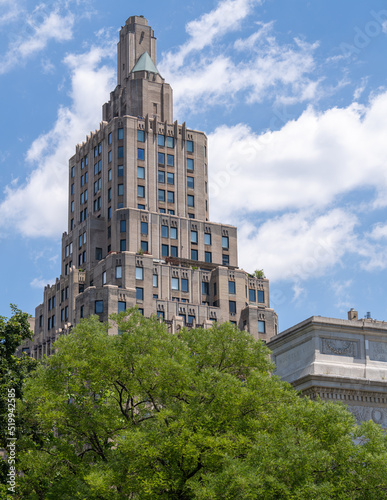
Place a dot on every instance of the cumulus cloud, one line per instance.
(39, 206)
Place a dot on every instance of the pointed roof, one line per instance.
(145, 63)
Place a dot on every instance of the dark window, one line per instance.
(261, 326)
(173, 233)
(139, 293)
(224, 241)
(140, 206)
(161, 176)
(144, 228)
(231, 287)
(170, 160)
(164, 250)
(161, 140)
(121, 306)
(190, 146)
(170, 197)
(205, 287)
(194, 236)
(165, 231)
(261, 296)
(170, 142)
(140, 135)
(207, 238)
(232, 306)
(110, 138)
(140, 154)
(194, 254)
(190, 182)
(98, 306)
(208, 256)
(161, 195)
(251, 295)
(173, 251)
(184, 285)
(190, 164)
(225, 260)
(141, 191)
(160, 314)
(170, 178)
(144, 246)
(190, 200)
(122, 245)
(120, 189)
(161, 158)
(120, 152)
(120, 170)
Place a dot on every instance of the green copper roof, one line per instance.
(145, 63)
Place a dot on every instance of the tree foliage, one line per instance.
(146, 414)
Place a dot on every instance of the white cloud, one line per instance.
(39, 206)
(342, 293)
(10, 11)
(41, 283)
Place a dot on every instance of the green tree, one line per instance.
(13, 370)
(146, 414)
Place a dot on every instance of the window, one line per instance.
(141, 191)
(170, 160)
(120, 152)
(144, 228)
(191, 319)
(120, 205)
(120, 133)
(164, 231)
(170, 142)
(95, 152)
(224, 241)
(161, 158)
(173, 251)
(164, 250)
(190, 183)
(109, 156)
(72, 171)
(194, 254)
(120, 189)
(191, 216)
(120, 170)
(140, 206)
(72, 224)
(104, 278)
(261, 326)
(161, 140)
(160, 314)
(161, 195)
(144, 246)
(205, 288)
(184, 285)
(207, 238)
(98, 253)
(66, 312)
(155, 281)
(109, 138)
(251, 295)
(118, 272)
(72, 187)
(189, 146)
(72, 206)
(140, 154)
(175, 283)
(82, 314)
(110, 194)
(170, 197)
(155, 295)
(232, 306)
(62, 315)
(140, 173)
(98, 306)
(208, 256)
(190, 200)
(173, 233)
(190, 164)
(170, 178)
(194, 236)
(261, 296)
(139, 273)
(80, 241)
(161, 176)
(95, 168)
(122, 245)
(162, 210)
(225, 260)
(86, 160)
(109, 213)
(231, 287)
(121, 306)
(49, 304)
(109, 232)
(139, 293)
(140, 135)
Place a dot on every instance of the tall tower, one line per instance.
(138, 218)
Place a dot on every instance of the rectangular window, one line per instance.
(162, 210)
(140, 154)
(232, 306)
(118, 272)
(109, 194)
(139, 273)
(140, 136)
(261, 326)
(161, 140)
(164, 231)
(190, 164)
(144, 228)
(170, 160)
(251, 295)
(207, 238)
(62, 315)
(161, 158)
(231, 287)
(194, 236)
(109, 138)
(95, 152)
(173, 251)
(161, 176)
(208, 257)
(72, 206)
(98, 253)
(72, 171)
(205, 288)
(104, 278)
(120, 189)
(139, 293)
(225, 260)
(155, 281)
(120, 170)
(160, 314)
(120, 152)
(175, 283)
(170, 197)
(173, 233)
(122, 245)
(109, 174)
(194, 254)
(164, 250)
(95, 168)
(190, 200)
(86, 160)
(170, 142)
(261, 296)
(190, 183)
(141, 191)
(170, 178)
(120, 134)
(98, 306)
(161, 195)
(140, 173)
(144, 246)
(189, 146)
(140, 206)
(121, 306)
(82, 313)
(184, 285)
(224, 241)
(109, 156)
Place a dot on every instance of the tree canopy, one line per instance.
(195, 415)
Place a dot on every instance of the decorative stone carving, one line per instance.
(378, 351)
(340, 347)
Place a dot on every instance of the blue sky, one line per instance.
(292, 95)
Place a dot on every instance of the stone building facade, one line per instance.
(138, 218)
(337, 360)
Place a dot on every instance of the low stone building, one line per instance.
(337, 360)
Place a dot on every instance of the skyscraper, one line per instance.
(138, 218)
